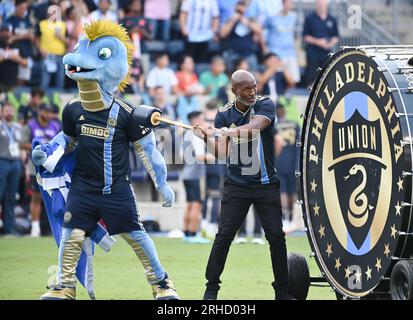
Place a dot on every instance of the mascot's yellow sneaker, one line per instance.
(60, 294)
(164, 290)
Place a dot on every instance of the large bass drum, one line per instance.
(356, 167)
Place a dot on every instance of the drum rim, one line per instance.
(330, 63)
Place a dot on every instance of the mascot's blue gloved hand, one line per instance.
(38, 155)
(167, 194)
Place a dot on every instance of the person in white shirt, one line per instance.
(162, 75)
(103, 12)
(199, 22)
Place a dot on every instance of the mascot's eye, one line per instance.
(76, 47)
(104, 53)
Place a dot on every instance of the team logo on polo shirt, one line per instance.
(94, 131)
(112, 122)
(67, 216)
(244, 136)
(353, 190)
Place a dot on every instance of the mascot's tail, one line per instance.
(54, 179)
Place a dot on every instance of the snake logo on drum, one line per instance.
(352, 163)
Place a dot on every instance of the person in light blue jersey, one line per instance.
(280, 38)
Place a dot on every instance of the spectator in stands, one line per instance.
(287, 163)
(10, 139)
(214, 78)
(188, 83)
(103, 12)
(276, 79)
(165, 134)
(75, 18)
(158, 13)
(227, 9)
(320, 35)
(160, 100)
(263, 10)
(137, 25)
(50, 39)
(10, 59)
(91, 4)
(199, 22)
(44, 129)
(137, 83)
(193, 175)
(29, 111)
(162, 75)
(139, 30)
(280, 38)
(39, 10)
(241, 37)
(74, 24)
(7, 8)
(22, 35)
(55, 112)
(188, 87)
(215, 173)
(82, 9)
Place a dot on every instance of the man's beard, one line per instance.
(246, 103)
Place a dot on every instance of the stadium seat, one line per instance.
(154, 46)
(214, 47)
(176, 47)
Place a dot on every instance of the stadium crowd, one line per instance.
(185, 53)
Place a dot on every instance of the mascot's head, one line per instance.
(100, 63)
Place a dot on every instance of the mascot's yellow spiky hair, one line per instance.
(102, 28)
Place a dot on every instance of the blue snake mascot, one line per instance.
(97, 130)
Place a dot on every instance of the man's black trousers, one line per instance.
(236, 201)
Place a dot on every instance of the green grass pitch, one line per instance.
(25, 263)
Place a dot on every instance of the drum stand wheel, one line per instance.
(401, 280)
(299, 275)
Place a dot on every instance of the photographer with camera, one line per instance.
(241, 36)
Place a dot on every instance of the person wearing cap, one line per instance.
(10, 59)
(45, 128)
(29, 111)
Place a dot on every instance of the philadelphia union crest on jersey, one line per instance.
(352, 189)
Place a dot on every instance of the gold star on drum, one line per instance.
(356, 171)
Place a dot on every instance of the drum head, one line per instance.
(351, 163)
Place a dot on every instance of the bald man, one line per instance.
(245, 128)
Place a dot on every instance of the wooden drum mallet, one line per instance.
(151, 117)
